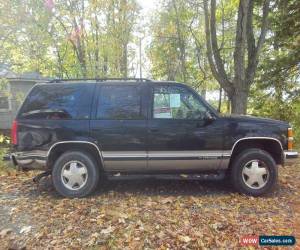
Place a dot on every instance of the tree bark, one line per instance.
(239, 102)
(220, 99)
(227, 104)
(198, 57)
(240, 46)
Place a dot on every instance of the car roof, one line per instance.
(113, 81)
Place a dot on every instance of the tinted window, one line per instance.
(57, 101)
(175, 102)
(119, 102)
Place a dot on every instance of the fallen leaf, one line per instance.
(185, 239)
(108, 230)
(5, 231)
(117, 214)
(25, 229)
(95, 235)
(166, 200)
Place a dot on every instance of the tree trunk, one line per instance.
(244, 70)
(123, 66)
(239, 102)
(220, 99)
(228, 104)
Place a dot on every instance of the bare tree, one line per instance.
(246, 52)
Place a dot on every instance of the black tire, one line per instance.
(242, 160)
(91, 178)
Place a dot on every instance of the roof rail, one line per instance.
(100, 79)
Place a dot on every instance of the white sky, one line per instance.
(147, 5)
(146, 12)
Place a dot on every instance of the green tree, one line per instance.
(68, 38)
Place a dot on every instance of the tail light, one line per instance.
(14, 133)
(290, 138)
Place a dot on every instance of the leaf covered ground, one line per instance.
(151, 214)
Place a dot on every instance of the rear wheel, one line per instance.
(75, 174)
(254, 172)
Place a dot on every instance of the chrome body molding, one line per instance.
(261, 138)
(189, 153)
(147, 160)
(165, 160)
(165, 154)
(61, 142)
(256, 138)
(75, 142)
(124, 160)
(124, 154)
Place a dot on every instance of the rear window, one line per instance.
(57, 101)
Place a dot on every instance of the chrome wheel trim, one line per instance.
(255, 174)
(74, 175)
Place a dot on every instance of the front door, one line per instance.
(119, 125)
(180, 135)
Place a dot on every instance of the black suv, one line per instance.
(81, 130)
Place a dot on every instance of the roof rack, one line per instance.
(100, 79)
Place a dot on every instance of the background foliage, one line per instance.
(100, 39)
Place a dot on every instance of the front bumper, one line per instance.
(290, 156)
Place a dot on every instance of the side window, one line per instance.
(119, 102)
(70, 101)
(175, 102)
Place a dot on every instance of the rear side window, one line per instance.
(119, 102)
(71, 101)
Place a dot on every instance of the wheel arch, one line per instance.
(61, 147)
(271, 145)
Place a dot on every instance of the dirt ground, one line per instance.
(151, 214)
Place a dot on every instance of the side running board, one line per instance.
(200, 177)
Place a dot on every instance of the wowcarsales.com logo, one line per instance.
(265, 240)
(249, 240)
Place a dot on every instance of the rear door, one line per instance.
(119, 126)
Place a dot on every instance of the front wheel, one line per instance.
(75, 174)
(254, 172)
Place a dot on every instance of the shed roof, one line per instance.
(6, 72)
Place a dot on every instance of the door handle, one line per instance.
(153, 130)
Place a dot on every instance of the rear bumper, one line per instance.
(290, 156)
(28, 161)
